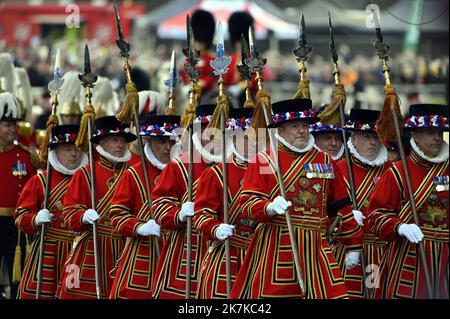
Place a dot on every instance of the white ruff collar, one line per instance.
(378, 161)
(125, 158)
(338, 155)
(152, 158)
(206, 154)
(295, 149)
(57, 166)
(441, 157)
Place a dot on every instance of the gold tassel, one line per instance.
(385, 125)
(17, 268)
(82, 141)
(51, 122)
(130, 105)
(331, 114)
(27, 251)
(303, 90)
(262, 100)
(189, 114)
(197, 93)
(249, 103)
(222, 106)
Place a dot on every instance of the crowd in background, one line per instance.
(150, 66)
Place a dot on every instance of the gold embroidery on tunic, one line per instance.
(433, 214)
(305, 198)
(110, 181)
(304, 182)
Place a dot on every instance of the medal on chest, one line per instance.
(441, 183)
(19, 169)
(319, 170)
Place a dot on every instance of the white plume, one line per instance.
(9, 106)
(155, 101)
(23, 88)
(6, 72)
(71, 90)
(104, 97)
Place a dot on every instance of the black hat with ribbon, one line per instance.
(362, 120)
(427, 116)
(293, 110)
(108, 126)
(63, 134)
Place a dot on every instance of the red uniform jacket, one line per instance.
(79, 279)
(402, 274)
(365, 178)
(169, 195)
(137, 263)
(268, 268)
(209, 215)
(58, 239)
(14, 176)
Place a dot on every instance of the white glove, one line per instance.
(43, 216)
(150, 228)
(359, 217)
(90, 216)
(412, 232)
(224, 231)
(187, 210)
(352, 259)
(278, 206)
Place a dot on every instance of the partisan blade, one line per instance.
(123, 45)
(304, 49)
(332, 46)
(191, 54)
(221, 62)
(173, 81)
(87, 78)
(254, 62)
(243, 68)
(57, 82)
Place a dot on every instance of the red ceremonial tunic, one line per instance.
(168, 197)
(138, 260)
(79, 279)
(58, 239)
(268, 268)
(365, 178)
(209, 215)
(17, 166)
(13, 179)
(401, 271)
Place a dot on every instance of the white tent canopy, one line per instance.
(174, 26)
(170, 19)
